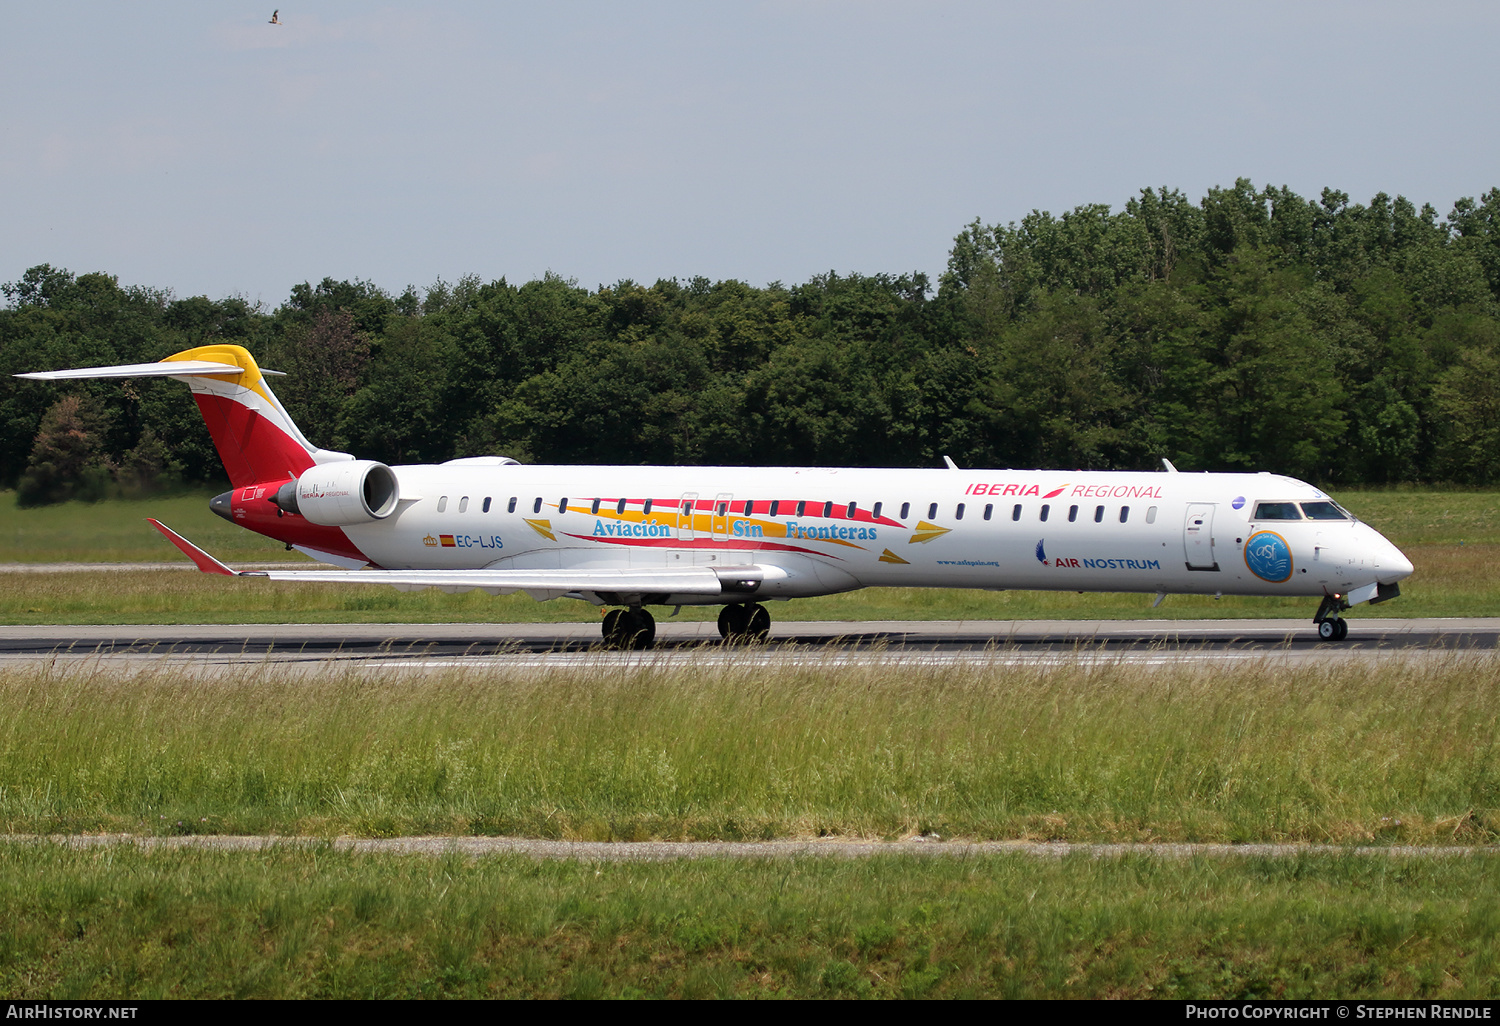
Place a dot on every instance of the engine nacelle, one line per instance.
(342, 494)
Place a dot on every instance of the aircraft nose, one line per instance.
(220, 504)
(1395, 566)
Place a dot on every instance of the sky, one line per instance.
(195, 147)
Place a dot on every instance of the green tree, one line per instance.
(1468, 399)
(67, 456)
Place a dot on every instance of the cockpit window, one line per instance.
(1276, 511)
(1325, 511)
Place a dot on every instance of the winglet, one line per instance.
(1167, 466)
(949, 461)
(206, 563)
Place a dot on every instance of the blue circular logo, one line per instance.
(1239, 502)
(1268, 556)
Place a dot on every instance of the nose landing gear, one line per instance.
(749, 621)
(633, 629)
(1332, 626)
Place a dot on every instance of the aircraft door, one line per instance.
(1198, 536)
(685, 516)
(719, 522)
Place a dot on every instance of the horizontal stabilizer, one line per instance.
(175, 369)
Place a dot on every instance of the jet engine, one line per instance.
(341, 494)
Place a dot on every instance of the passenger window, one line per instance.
(562, 506)
(620, 506)
(1045, 510)
(1124, 513)
(536, 507)
(443, 504)
(775, 505)
(989, 510)
(687, 507)
(827, 509)
(1072, 514)
(463, 504)
(875, 512)
(723, 508)
(1015, 513)
(802, 508)
(595, 509)
(646, 506)
(1151, 514)
(932, 512)
(1325, 511)
(1098, 514)
(958, 514)
(1276, 511)
(512, 507)
(905, 510)
(853, 508)
(486, 508)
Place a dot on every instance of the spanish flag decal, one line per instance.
(447, 540)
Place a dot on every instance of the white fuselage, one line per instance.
(839, 529)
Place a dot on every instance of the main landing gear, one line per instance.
(1332, 626)
(748, 621)
(633, 629)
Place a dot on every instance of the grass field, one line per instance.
(1452, 537)
(1079, 752)
(319, 923)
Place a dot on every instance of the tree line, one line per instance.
(1252, 330)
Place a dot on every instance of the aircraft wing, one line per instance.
(689, 580)
(692, 580)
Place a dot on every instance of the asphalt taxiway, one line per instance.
(429, 646)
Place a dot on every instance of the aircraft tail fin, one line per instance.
(254, 434)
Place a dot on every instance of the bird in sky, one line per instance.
(274, 19)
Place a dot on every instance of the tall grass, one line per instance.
(1088, 750)
(286, 923)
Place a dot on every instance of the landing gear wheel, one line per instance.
(759, 628)
(747, 622)
(733, 621)
(637, 630)
(1332, 626)
(611, 625)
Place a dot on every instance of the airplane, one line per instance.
(631, 537)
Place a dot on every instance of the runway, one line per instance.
(443, 646)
